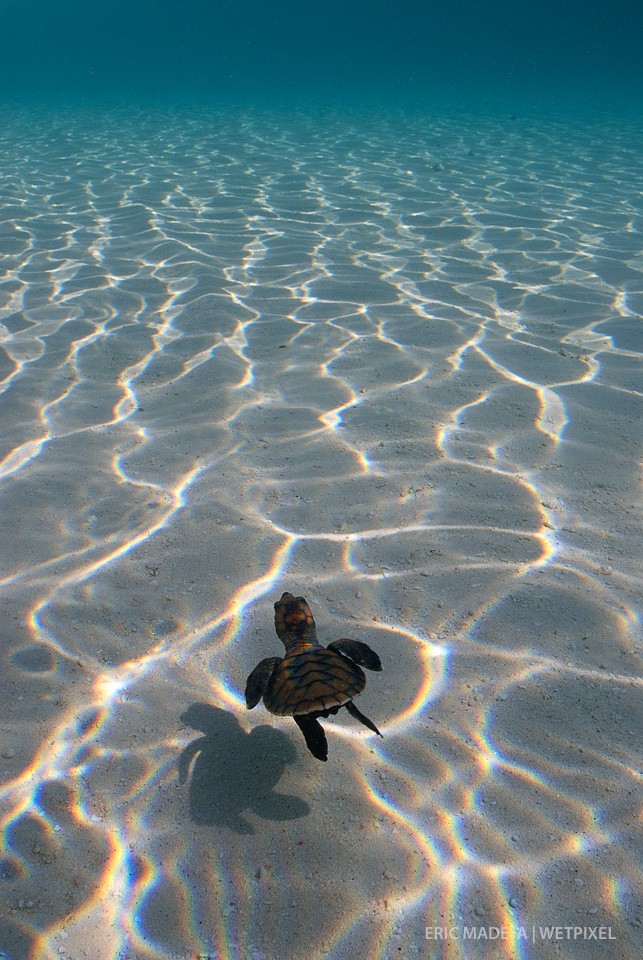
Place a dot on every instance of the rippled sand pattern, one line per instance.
(391, 366)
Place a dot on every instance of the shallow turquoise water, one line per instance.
(388, 361)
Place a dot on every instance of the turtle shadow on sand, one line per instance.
(234, 772)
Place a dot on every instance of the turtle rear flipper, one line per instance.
(358, 652)
(258, 680)
(313, 735)
(354, 712)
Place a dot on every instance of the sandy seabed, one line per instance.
(391, 365)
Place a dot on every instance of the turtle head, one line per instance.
(294, 621)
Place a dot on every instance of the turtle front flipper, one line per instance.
(358, 652)
(258, 680)
(354, 712)
(313, 735)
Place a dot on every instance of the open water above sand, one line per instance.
(391, 365)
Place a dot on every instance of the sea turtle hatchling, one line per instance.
(311, 681)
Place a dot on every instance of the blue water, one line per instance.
(384, 52)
